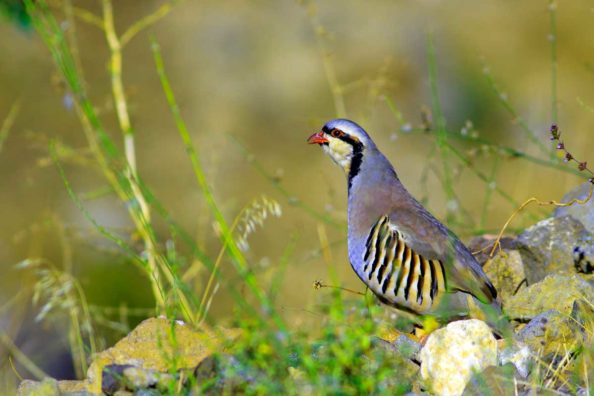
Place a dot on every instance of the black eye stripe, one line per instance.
(345, 137)
(352, 141)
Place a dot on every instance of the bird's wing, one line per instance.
(430, 239)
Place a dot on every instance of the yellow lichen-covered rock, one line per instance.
(452, 354)
(388, 333)
(47, 387)
(158, 345)
(551, 333)
(51, 387)
(557, 292)
(506, 271)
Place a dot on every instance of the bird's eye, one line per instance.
(336, 133)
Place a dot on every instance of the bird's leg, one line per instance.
(422, 331)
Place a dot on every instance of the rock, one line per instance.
(112, 378)
(557, 292)
(149, 392)
(126, 377)
(123, 393)
(583, 313)
(493, 381)
(402, 345)
(407, 347)
(583, 258)
(584, 213)
(149, 346)
(551, 333)
(47, 387)
(451, 355)
(516, 353)
(218, 373)
(506, 271)
(51, 387)
(548, 246)
(481, 246)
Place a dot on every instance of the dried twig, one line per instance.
(318, 284)
(582, 166)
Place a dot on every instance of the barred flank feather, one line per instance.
(398, 274)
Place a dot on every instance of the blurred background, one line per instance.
(253, 80)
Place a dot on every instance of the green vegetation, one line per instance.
(184, 276)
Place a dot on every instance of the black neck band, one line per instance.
(356, 160)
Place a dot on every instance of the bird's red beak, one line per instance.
(317, 138)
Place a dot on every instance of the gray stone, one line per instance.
(511, 351)
(548, 246)
(557, 292)
(493, 381)
(222, 372)
(112, 378)
(402, 346)
(148, 392)
(126, 377)
(551, 333)
(583, 258)
(47, 387)
(481, 246)
(584, 213)
(407, 347)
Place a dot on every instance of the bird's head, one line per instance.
(345, 142)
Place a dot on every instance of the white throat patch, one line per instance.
(340, 152)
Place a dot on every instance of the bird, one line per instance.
(402, 253)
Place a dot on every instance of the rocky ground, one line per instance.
(544, 276)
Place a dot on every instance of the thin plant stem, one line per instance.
(554, 64)
(201, 308)
(120, 173)
(490, 186)
(21, 357)
(540, 203)
(584, 106)
(327, 252)
(512, 152)
(237, 257)
(279, 276)
(516, 118)
(121, 105)
(8, 122)
(87, 315)
(102, 230)
(145, 22)
(82, 14)
(336, 89)
(440, 128)
(72, 37)
(291, 199)
(185, 304)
